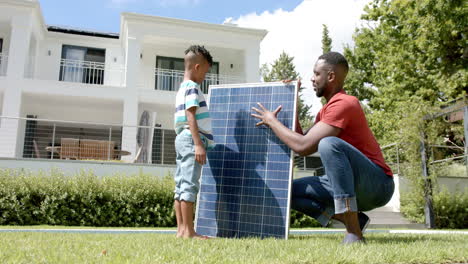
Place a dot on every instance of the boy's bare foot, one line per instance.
(180, 232)
(195, 236)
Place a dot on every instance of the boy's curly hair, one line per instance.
(200, 50)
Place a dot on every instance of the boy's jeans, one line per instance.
(188, 170)
(352, 183)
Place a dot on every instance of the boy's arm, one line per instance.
(200, 152)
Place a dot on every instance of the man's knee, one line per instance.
(328, 144)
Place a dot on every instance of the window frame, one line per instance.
(172, 61)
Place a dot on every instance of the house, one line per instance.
(62, 88)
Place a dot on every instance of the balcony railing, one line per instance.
(85, 141)
(90, 72)
(3, 64)
(170, 80)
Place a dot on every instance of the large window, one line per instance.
(82, 64)
(170, 73)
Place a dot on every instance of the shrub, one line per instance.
(450, 209)
(300, 220)
(88, 200)
(85, 200)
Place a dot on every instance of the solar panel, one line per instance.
(245, 185)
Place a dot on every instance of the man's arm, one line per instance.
(298, 125)
(200, 152)
(301, 144)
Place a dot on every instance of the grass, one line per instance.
(162, 248)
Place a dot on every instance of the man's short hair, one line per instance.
(200, 50)
(335, 59)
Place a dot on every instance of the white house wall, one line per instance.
(164, 114)
(77, 109)
(32, 86)
(224, 56)
(114, 55)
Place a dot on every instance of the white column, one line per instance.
(21, 28)
(9, 127)
(130, 109)
(251, 64)
(129, 130)
(132, 62)
(20, 36)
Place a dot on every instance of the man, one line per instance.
(357, 178)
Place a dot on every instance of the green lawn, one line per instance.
(161, 248)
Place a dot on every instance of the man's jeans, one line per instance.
(352, 183)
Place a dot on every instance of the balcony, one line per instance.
(3, 64)
(170, 80)
(90, 72)
(80, 141)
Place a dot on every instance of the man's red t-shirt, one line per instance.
(345, 112)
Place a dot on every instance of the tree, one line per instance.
(412, 55)
(283, 69)
(408, 61)
(326, 47)
(326, 40)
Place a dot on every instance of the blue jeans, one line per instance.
(188, 170)
(352, 183)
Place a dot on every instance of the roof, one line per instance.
(83, 32)
(195, 24)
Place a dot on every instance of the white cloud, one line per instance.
(299, 33)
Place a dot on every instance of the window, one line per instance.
(170, 73)
(2, 59)
(163, 150)
(82, 64)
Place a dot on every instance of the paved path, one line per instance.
(171, 231)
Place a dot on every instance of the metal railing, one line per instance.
(392, 156)
(311, 163)
(440, 162)
(90, 72)
(3, 64)
(68, 140)
(170, 80)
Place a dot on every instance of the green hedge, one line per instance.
(85, 200)
(450, 209)
(300, 220)
(88, 200)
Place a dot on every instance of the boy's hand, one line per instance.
(200, 154)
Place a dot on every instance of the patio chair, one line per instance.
(69, 148)
(96, 149)
(106, 150)
(89, 149)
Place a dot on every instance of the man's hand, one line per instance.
(265, 115)
(200, 154)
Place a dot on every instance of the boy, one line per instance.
(193, 128)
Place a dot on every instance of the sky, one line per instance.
(294, 26)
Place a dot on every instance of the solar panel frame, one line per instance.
(292, 125)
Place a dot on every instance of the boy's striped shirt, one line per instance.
(188, 96)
